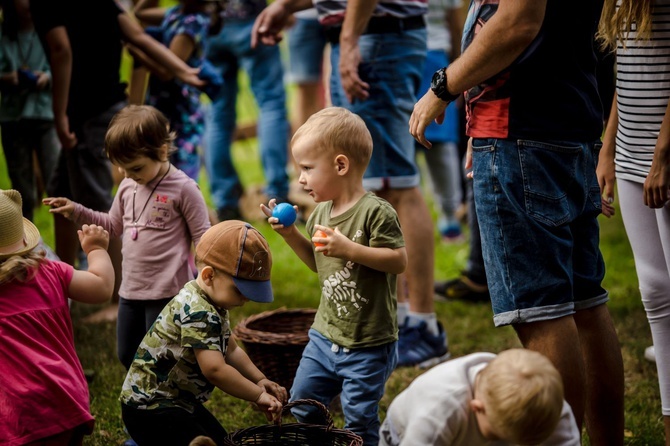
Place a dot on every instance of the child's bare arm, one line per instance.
(134, 34)
(148, 12)
(227, 378)
(59, 205)
(96, 285)
(336, 244)
(295, 239)
(239, 359)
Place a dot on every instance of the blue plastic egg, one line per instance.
(285, 213)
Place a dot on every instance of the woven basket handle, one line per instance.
(324, 410)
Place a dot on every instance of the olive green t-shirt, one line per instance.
(358, 304)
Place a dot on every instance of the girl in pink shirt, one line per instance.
(158, 211)
(43, 391)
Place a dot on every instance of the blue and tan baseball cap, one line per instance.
(237, 248)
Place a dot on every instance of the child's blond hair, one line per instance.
(138, 130)
(523, 396)
(202, 440)
(21, 268)
(338, 130)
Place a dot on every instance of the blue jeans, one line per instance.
(229, 51)
(537, 205)
(392, 63)
(360, 374)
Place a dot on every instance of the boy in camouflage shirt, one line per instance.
(188, 350)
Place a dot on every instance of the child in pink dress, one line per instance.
(43, 392)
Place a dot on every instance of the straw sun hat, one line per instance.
(18, 235)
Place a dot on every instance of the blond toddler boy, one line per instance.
(352, 346)
(482, 399)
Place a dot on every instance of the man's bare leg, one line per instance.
(418, 230)
(558, 340)
(604, 414)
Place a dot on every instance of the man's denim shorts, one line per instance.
(306, 42)
(537, 205)
(392, 64)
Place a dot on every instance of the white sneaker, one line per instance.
(649, 354)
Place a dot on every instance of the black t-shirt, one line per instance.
(96, 40)
(550, 92)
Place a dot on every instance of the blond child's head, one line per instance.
(518, 397)
(137, 131)
(202, 440)
(336, 130)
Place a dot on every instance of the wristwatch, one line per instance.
(439, 86)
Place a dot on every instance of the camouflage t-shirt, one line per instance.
(165, 372)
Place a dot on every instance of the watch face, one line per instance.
(438, 79)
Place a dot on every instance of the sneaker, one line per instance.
(650, 354)
(451, 232)
(418, 347)
(461, 288)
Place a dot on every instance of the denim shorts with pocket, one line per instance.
(537, 205)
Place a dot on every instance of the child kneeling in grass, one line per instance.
(189, 349)
(515, 397)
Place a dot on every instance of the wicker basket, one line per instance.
(295, 434)
(274, 340)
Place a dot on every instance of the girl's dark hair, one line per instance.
(138, 130)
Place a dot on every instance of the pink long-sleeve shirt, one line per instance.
(155, 264)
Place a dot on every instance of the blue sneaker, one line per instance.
(418, 347)
(450, 230)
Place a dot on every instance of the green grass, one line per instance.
(469, 326)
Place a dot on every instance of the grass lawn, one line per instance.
(469, 326)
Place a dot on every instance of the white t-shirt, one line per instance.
(434, 410)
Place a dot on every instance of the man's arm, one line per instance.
(272, 20)
(356, 18)
(60, 59)
(500, 42)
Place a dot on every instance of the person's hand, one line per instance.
(467, 167)
(656, 185)
(68, 139)
(43, 80)
(606, 175)
(350, 59)
(269, 405)
(59, 205)
(274, 389)
(334, 244)
(269, 24)
(12, 78)
(274, 221)
(429, 108)
(191, 77)
(93, 237)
